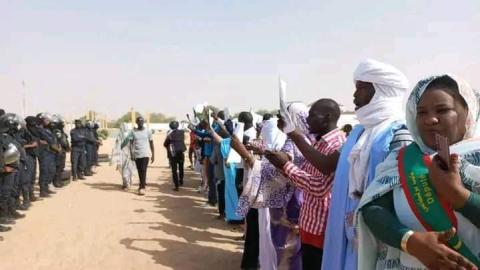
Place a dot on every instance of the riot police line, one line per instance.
(41, 140)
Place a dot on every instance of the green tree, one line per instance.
(160, 118)
(154, 118)
(261, 112)
(126, 118)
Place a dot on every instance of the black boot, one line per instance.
(57, 183)
(26, 199)
(88, 172)
(4, 218)
(18, 203)
(4, 228)
(44, 192)
(32, 197)
(7, 221)
(15, 214)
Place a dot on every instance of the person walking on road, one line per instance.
(142, 150)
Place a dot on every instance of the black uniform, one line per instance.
(61, 156)
(90, 145)
(6, 184)
(31, 135)
(47, 156)
(22, 177)
(77, 156)
(97, 144)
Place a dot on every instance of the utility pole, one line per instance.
(24, 100)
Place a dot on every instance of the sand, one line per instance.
(93, 224)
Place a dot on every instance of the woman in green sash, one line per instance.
(423, 211)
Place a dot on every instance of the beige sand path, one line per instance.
(93, 224)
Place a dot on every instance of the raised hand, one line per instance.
(289, 126)
(448, 183)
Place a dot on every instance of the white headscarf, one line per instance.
(385, 108)
(467, 93)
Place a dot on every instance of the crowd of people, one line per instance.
(398, 191)
(40, 139)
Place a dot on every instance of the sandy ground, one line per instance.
(93, 224)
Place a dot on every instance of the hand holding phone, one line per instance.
(443, 150)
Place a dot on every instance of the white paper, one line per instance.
(283, 95)
(233, 156)
(210, 118)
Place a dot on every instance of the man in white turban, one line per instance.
(379, 95)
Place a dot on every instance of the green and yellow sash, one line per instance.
(433, 213)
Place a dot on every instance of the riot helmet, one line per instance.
(44, 119)
(9, 122)
(11, 154)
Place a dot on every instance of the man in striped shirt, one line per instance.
(315, 181)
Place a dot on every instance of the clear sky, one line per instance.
(165, 56)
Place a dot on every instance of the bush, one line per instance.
(103, 133)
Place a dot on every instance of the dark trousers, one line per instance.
(32, 172)
(78, 160)
(23, 185)
(47, 170)
(177, 164)
(142, 164)
(17, 180)
(90, 149)
(60, 166)
(212, 184)
(251, 248)
(311, 257)
(6, 188)
(221, 196)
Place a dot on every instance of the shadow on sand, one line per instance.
(195, 234)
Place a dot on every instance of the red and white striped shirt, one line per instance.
(316, 186)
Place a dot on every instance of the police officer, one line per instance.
(77, 156)
(47, 155)
(90, 145)
(8, 170)
(57, 126)
(8, 155)
(99, 142)
(31, 135)
(22, 178)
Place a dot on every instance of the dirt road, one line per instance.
(93, 224)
